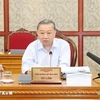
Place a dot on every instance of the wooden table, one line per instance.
(15, 91)
(11, 62)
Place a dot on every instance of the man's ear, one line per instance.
(55, 32)
(36, 33)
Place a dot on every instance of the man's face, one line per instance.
(46, 34)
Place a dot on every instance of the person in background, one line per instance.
(47, 50)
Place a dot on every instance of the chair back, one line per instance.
(20, 39)
(72, 47)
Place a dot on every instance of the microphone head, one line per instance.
(50, 53)
(93, 57)
(89, 54)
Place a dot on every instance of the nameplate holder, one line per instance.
(48, 75)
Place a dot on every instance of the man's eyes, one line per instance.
(46, 33)
(49, 33)
(41, 33)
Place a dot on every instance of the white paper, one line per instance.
(84, 69)
(79, 79)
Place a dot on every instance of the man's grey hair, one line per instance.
(46, 21)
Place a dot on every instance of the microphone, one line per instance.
(50, 53)
(94, 57)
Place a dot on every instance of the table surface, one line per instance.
(49, 91)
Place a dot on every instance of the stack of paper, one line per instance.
(84, 69)
(78, 76)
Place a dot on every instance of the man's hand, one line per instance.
(28, 72)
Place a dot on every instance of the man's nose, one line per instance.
(45, 35)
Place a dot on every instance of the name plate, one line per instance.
(46, 75)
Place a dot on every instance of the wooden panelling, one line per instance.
(11, 62)
(14, 91)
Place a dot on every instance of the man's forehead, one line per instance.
(45, 25)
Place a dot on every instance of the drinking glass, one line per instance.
(6, 75)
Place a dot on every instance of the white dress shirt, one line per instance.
(35, 55)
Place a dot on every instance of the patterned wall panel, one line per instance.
(1, 44)
(1, 16)
(27, 13)
(92, 44)
(91, 15)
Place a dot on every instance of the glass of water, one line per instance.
(1, 70)
(6, 75)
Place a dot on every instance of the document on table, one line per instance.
(79, 79)
(78, 76)
(84, 69)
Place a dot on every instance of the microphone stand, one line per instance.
(50, 53)
(97, 76)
